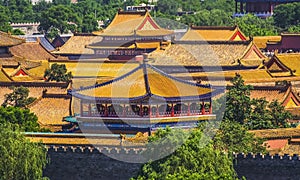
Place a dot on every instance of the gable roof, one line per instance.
(261, 41)
(283, 94)
(214, 33)
(144, 82)
(210, 53)
(77, 45)
(284, 64)
(32, 51)
(7, 40)
(127, 23)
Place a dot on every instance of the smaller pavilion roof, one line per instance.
(7, 40)
(142, 83)
(127, 23)
(283, 94)
(32, 51)
(284, 64)
(77, 45)
(261, 41)
(214, 33)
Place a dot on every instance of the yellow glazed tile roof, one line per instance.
(77, 45)
(9, 40)
(291, 61)
(142, 82)
(212, 33)
(97, 68)
(261, 41)
(212, 54)
(131, 23)
(31, 51)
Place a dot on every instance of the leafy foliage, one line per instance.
(254, 26)
(26, 120)
(286, 15)
(234, 137)
(238, 102)
(20, 158)
(58, 73)
(192, 160)
(255, 113)
(18, 98)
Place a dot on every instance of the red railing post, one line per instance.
(203, 108)
(172, 110)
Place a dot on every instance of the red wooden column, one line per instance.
(105, 110)
(210, 107)
(203, 109)
(157, 111)
(172, 110)
(141, 109)
(189, 109)
(90, 110)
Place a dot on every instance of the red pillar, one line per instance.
(189, 109)
(141, 109)
(203, 109)
(105, 110)
(210, 107)
(172, 110)
(157, 111)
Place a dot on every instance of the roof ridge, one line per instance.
(213, 27)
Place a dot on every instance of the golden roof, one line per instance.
(261, 41)
(255, 75)
(284, 64)
(97, 68)
(7, 40)
(77, 45)
(144, 81)
(212, 54)
(291, 61)
(283, 94)
(133, 23)
(213, 33)
(31, 51)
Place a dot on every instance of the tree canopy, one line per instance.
(192, 160)
(58, 73)
(83, 16)
(253, 113)
(18, 98)
(20, 158)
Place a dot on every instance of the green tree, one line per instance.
(259, 117)
(58, 73)
(17, 32)
(18, 98)
(286, 15)
(25, 120)
(20, 158)
(4, 19)
(238, 102)
(279, 115)
(254, 26)
(234, 137)
(192, 160)
(60, 17)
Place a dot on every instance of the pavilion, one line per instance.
(130, 33)
(143, 100)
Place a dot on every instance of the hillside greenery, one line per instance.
(62, 16)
